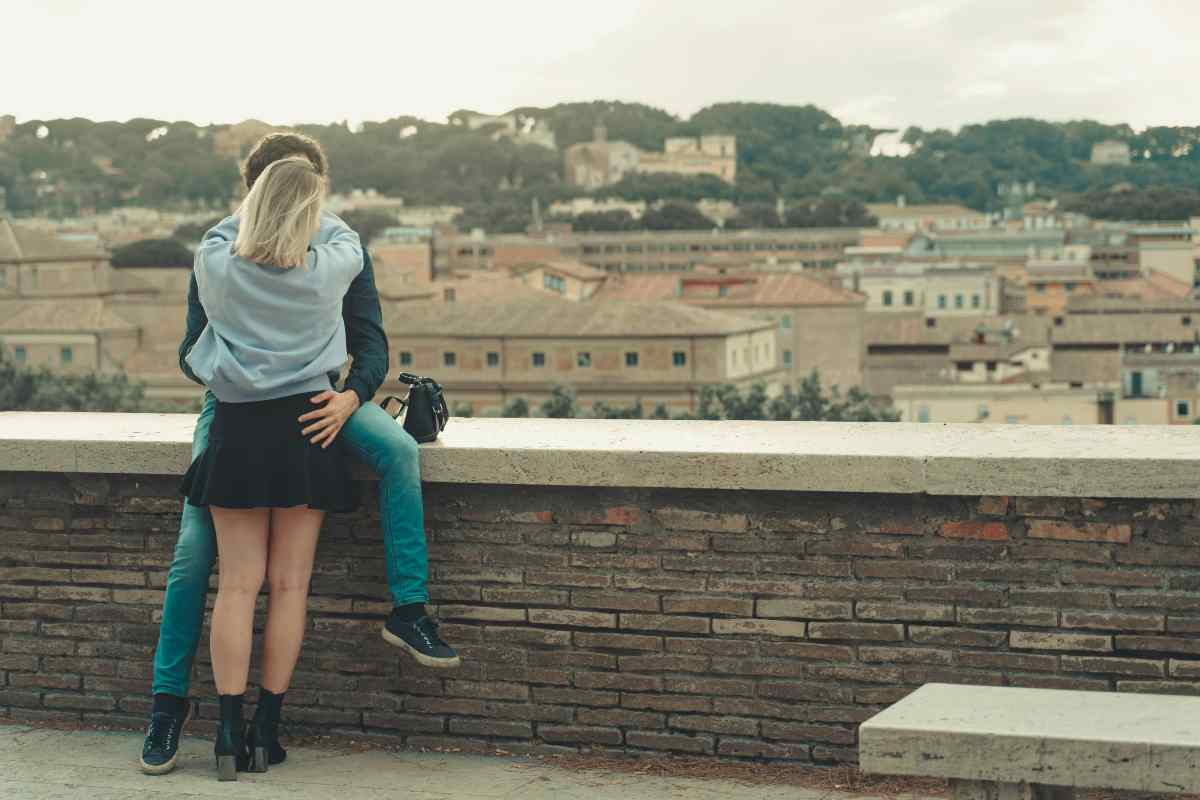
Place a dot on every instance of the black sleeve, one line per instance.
(196, 321)
(364, 334)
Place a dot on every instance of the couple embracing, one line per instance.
(281, 293)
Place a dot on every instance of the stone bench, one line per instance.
(1006, 743)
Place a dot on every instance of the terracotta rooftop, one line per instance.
(551, 317)
(574, 269)
(904, 328)
(18, 244)
(65, 316)
(743, 289)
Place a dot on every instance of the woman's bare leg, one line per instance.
(242, 536)
(289, 568)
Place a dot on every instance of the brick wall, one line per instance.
(749, 624)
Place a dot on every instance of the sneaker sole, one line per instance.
(163, 769)
(419, 657)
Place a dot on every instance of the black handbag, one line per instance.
(427, 411)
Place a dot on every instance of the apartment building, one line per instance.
(935, 288)
(487, 354)
(900, 216)
(641, 251)
(603, 162)
(820, 325)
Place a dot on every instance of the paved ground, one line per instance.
(39, 764)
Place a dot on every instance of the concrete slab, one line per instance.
(1062, 461)
(84, 765)
(1083, 739)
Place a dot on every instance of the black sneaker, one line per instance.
(161, 749)
(422, 642)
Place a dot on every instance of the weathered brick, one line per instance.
(613, 515)
(487, 690)
(683, 541)
(617, 641)
(45, 680)
(1030, 616)
(798, 732)
(969, 595)
(768, 627)
(571, 618)
(737, 726)
(618, 680)
(758, 749)
(598, 539)
(663, 622)
(906, 612)
(1113, 620)
(108, 577)
(958, 637)
(1159, 644)
(620, 718)
(524, 636)
(663, 663)
(666, 702)
(1025, 662)
(773, 667)
(1185, 669)
(806, 650)
(45, 647)
(512, 729)
(709, 647)
(863, 631)
(1183, 624)
(915, 570)
(906, 655)
(1028, 640)
(694, 520)
(1164, 600)
(79, 701)
(707, 604)
(671, 742)
(803, 609)
(1137, 667)
(1159, 687)
(856, 547)
(18, 661)
(483, 613)
(615, 600)
(707, 562)
(525, 597)
(974, 529)
(575, 697)
(710, 686)
(995, 506)
(541, 578)
(1080, 532)
(1112, 577)
(579, 734)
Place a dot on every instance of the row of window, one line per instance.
(960, 300)
(65, 355)
(582, 359)
(736, 247)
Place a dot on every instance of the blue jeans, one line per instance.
(380, 443)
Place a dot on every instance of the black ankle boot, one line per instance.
(230, 748)
(263, 737)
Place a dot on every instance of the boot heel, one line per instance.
(226, 768)
(259, 763)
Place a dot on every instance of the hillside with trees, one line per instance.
(801, 154)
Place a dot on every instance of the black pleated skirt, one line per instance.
(257, 458)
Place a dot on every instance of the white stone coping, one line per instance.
(940, 459)
(1103, 740)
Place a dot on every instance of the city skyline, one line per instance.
(941, 63)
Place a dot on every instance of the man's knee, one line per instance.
(401, 454)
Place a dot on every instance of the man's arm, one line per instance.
(365, 338)
(196, 321)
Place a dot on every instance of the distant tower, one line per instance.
(537, 214)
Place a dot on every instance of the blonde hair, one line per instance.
(281, 214)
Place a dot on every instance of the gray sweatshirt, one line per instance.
(272, 332)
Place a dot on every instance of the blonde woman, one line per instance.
(274, 333)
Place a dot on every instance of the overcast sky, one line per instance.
(921, 62)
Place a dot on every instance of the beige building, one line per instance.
(570, 280)
(1014, 404)
(1111, 152)
(487, 354)
(603, 162)
(641, 251)
(900, 216)
(937, 288)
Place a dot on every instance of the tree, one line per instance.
(517, 407)
(602, 410)
(368, 224)
(600, 221)
(25, 389)
(192, 232)
(675, 217)
(560, 404)
(153, 253)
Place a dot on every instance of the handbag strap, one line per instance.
(402, 405)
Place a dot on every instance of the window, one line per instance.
(3, 278)
(991, 366)
(930, 322)
(722, 291)
(923, 414)
(1066, 420)
(19, 354)
(1040, 288)
(1070, 287)
(909, 298)
(1183, 408)
(554, 283)
(1011, 420)
(1187, 321)
(786, 322)
(66, 355)
(975, 300)
(887, 297)
(539, 359)
(405, 358)
(958, 301)
(679, 358)
(1058, 322)
(941, 301)
(631, 359)
(448, 295)
(787, 358)
(982, 411)
(493, 359)
(449, 359)
(964, 366)
(584, 359)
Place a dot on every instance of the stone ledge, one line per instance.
(1059, 461)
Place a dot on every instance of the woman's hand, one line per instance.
(327, 421)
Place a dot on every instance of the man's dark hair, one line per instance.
(275, 146)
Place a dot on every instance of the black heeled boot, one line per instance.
(263, 736)
(230, 747)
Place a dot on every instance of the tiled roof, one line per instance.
(552, 317)
(18, 244)
(763, 289)
(574, 269)
(65, 316)
(904, 328)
